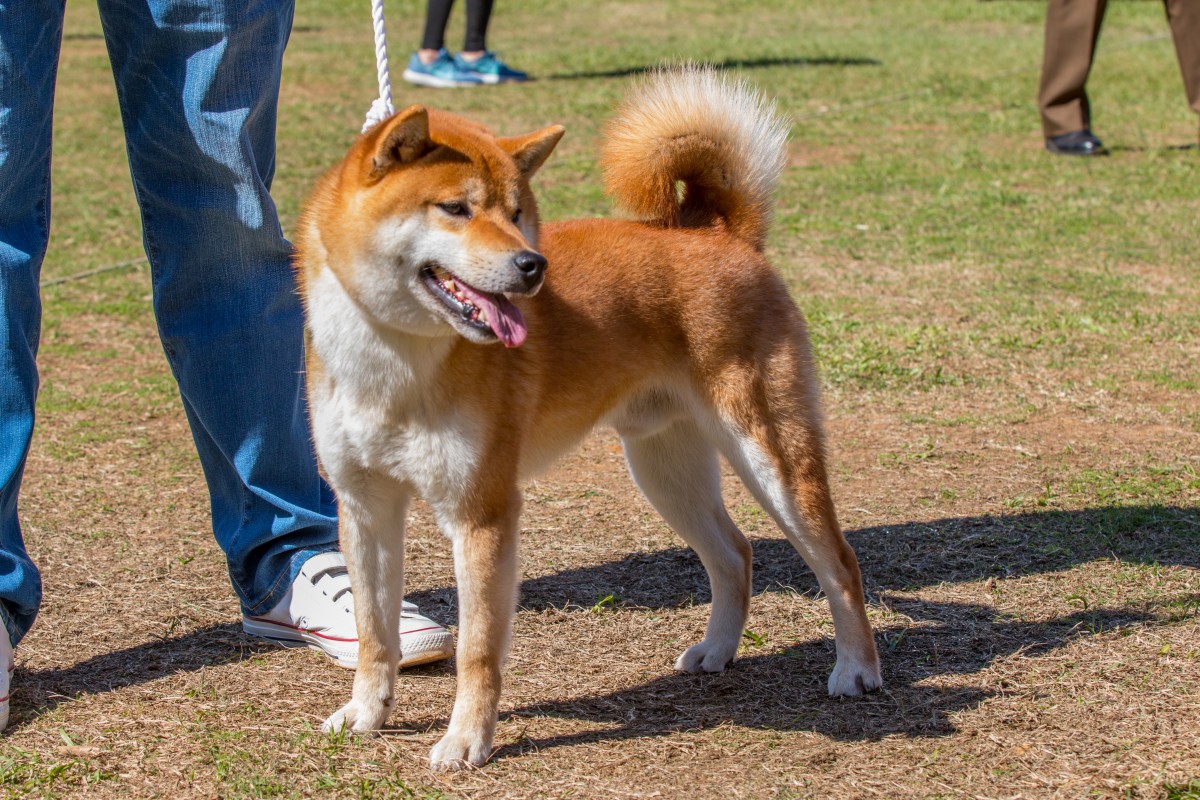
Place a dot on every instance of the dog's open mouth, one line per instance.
(482, 312)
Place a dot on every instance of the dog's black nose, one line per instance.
(531, 265)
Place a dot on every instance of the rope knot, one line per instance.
(382, 107)
(380, 110)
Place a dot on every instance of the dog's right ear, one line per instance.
(404, 139)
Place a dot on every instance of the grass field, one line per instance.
(1010, 347)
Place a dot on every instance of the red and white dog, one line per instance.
(453, 353)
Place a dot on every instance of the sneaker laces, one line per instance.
(334, 582)
(328, 572)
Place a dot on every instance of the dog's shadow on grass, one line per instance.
(736, 63)
(785, 691)
(899, 557)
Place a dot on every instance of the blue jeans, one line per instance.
(198, 84)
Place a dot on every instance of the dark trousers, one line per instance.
(437, 15)
(1072, 28)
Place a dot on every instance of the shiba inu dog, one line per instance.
(456, 349)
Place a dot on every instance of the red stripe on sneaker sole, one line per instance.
(298, 629)
(328, 637)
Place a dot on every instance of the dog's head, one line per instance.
(431, 226)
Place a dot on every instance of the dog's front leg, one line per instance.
(371, 530)
(485, 565)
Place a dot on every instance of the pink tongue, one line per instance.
(504, 318)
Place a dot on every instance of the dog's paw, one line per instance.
(706, 657)
(852, 678)
(457, 751)
(357, 719)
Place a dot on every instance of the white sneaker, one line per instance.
(6, 671)
(318, 610)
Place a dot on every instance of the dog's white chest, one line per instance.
(434, 453)
(375, 411)
(439, 462)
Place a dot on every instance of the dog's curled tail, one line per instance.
(715, 135)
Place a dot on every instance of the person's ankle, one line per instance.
(427, 57)
(472, 55)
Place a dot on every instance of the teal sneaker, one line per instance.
(490, 69)
(443, 73)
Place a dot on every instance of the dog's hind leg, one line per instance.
(371, 531)
(774, 442)
(677, 469)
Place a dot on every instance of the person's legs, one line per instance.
(1072, 29)
(437, 16)
(431, 65)
(1184, 16)
(479, 14)
(198, 84)
(30, 35)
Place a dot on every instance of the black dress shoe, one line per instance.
(1076, 143)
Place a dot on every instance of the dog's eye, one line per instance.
(455, 209)
(516, 217)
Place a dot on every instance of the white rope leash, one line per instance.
(382, 108)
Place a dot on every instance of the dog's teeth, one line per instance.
(451, 286)
(466, 312)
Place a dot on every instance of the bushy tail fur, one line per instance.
(714, 134)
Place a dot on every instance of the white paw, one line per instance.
(354, 716)
(457, 751)
(852, 678)
(706, 657)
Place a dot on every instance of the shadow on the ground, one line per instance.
(1124, 148)
(736, 63)
(899, 557)
(38, 691)
(784, 689)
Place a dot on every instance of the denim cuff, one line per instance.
(286, 578)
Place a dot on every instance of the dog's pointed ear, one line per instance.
(531, 150)
(403, 139)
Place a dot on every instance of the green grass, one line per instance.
(29, 774)
(908, 157)
(1190, 791)
(336, 764)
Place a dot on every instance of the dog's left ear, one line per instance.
(531, 150)
(404, 139)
